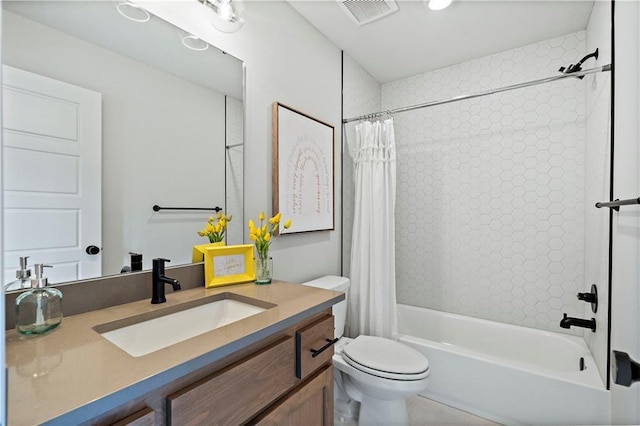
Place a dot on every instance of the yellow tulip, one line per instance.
(228, 218)
(211, 219)
(251, 224)
(264, 228)
(287, 224)
(275, 220)
(201, 233)
(219, 215)
(252, 237)
(267, 236)
(258, 232)
(222, 222)
(261, 216)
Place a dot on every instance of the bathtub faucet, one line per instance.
(567, 322)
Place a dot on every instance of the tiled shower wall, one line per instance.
(491, 190)
(490, 207)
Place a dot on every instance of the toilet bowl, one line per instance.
(378, 373)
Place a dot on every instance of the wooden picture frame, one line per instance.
(225, 265)
(303, 170)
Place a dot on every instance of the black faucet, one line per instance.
(159, 280)
(567, 322)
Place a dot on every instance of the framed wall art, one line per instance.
(303, 170)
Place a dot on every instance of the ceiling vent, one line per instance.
(364, 11)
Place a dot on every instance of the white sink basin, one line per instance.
(140, 336)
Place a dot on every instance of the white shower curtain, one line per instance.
(372, 295)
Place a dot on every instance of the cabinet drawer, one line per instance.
(236, 393)
(314, 346)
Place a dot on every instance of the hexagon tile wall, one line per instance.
(490, 208)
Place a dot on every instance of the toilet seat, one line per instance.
(385, 358)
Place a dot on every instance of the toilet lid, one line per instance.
(386, 358)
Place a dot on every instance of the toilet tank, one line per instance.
(335, 283)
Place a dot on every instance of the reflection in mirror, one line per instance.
(103, 118)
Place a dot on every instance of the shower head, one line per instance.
(578, 67)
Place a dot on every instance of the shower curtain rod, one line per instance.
(603, 68)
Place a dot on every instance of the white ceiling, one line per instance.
(415, 39)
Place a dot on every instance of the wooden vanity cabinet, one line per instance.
(257, 385)
(265, 381)
(144, 417)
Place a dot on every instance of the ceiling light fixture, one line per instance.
(439, 4)
(228, 15)
(133, 12)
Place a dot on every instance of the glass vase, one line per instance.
(264, 270)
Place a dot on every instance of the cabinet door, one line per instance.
(144, 417)
(309, 405)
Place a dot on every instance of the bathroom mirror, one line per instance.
(167, 110)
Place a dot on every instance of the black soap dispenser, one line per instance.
(38, 310)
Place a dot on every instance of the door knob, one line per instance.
(92, 250)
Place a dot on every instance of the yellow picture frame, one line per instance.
(197, 255)
(226, 265)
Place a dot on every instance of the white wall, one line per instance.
(597, 180)
(491, 190)
(287, 61)
(361, 95)
(625, 292)
(163, 141)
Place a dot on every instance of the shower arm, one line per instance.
(571, 69)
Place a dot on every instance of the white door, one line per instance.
(51, 175)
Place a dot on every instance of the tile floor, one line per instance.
(425, 412)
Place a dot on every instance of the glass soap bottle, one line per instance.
(38, 310)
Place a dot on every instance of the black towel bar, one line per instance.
(157, 208)
(617, 203)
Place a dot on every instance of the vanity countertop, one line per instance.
(72, 373)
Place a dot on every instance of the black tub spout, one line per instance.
(567, 322)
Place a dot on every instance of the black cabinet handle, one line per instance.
(316, 352)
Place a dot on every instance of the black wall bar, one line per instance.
(617, 203)
(157, 208)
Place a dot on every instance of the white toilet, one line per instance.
(378, 373)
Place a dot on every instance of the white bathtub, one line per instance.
(506, 373)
